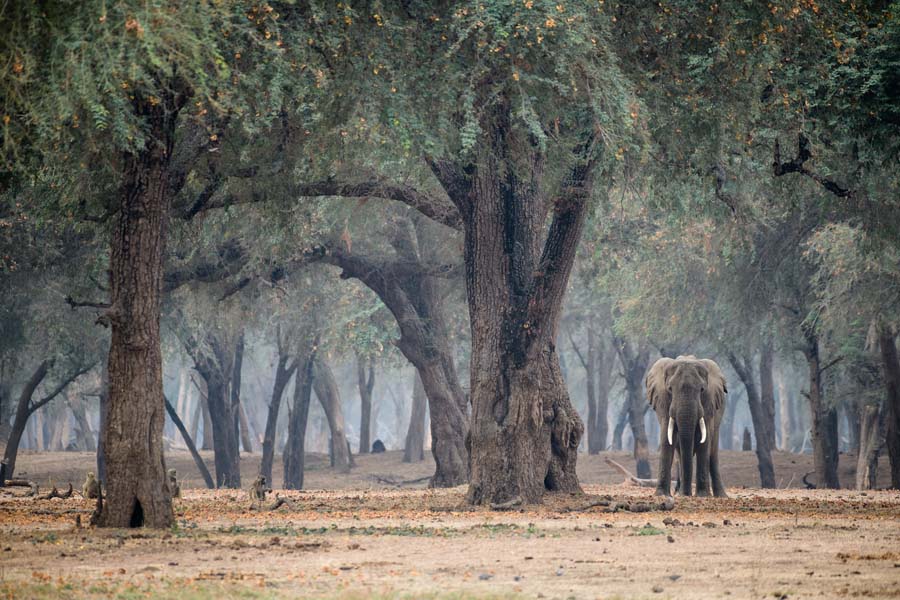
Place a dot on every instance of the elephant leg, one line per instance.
(703, 469)
(666, 451)
(717, 485)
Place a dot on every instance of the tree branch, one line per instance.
(831, 364)
(85, 304)
(59, 388)
(798, 165)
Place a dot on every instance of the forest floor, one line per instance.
(360, 536)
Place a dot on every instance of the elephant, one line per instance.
(688, 396)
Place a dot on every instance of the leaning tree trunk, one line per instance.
(891, 367)
(198, 460)
(137, 493)
(758, 414)
(414, 449)
(824, 421)
(298, 416)
(23, 411)
(366, 384)
(330, 398)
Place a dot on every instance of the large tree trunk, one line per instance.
(762, 425)
(283, 373)
(415, 300)
(137, 493)
(891, 367)
(298, 416)
(198, 460)
(414, 448)
(366, 384)
(824, 421)
(330, 398)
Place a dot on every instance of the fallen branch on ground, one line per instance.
(55, 493)
(22, 483)
(629, 477)
(400, 482)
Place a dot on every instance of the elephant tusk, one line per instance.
(671, 430)
(702, 430)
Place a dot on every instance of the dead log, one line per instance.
(629, 478)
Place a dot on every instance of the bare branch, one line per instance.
(59, 388)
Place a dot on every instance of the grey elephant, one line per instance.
(688, 395)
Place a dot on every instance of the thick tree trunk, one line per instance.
(824, 421)
(226, 443)
(891, 367)
(283, 373)
(366, 382)
(414, 448)
(413, 297)
(330, 398)
(763, 421)
(198, 460)
(137, 493)
(298, 416)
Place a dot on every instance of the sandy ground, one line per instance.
(370, 539)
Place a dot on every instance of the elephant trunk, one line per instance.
(686, 423)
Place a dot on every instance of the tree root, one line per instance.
(508, 505)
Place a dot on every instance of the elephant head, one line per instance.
(686, 383)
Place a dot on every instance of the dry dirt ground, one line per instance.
(358, 536)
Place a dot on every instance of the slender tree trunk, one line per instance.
(23, 411)
(104, 419)
(298, 416)
(196, 413)
(891, 367)
(283, 373)
(758, 413)
(636, 407)
(824, 421)
(621, 422)
(207, 422)
(726, 430)
(784, 401)
(605, 360)
(198, 460)
(872, 425)
(85, 434)
(366, 384)
(137, 493)
(767, 391)
(330, 398)
(236, 370)
(414, 449)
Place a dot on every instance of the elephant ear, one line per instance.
(716, 387)
(657, 391)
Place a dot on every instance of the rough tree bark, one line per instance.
(634, 363)
(763, 422)
(284, 370)
(414, 448)
(366, 384)
(891, 366)
(137, 493)
(298, 416)
(327, 392)
(872, 436)
(524, 432)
